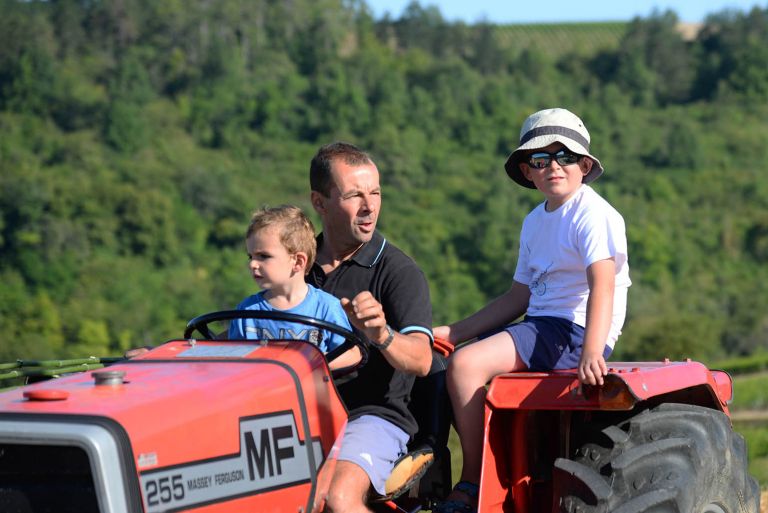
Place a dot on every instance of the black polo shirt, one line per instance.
(398, 284)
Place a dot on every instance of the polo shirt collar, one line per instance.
(370, 253)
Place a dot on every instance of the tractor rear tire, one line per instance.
(675, 458)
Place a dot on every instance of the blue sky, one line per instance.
(530, 11)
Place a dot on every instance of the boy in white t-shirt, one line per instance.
(571, 283)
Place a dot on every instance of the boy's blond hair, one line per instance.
(296, 231)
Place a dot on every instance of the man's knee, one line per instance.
(349, 489)
(340, 500)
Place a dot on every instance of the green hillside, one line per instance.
(137, 136)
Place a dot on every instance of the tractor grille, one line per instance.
(46, 478)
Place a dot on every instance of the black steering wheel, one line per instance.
(351, 339)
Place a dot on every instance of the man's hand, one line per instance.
(409, 353)
(443, 332)
(367, 315)
(592, 368)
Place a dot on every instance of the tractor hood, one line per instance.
(190, 424)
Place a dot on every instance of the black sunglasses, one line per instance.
(542, 159)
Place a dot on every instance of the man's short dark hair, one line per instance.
(320, 179)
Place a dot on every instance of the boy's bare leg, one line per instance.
(469, 370)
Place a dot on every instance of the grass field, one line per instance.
(555, 40)
(750, 413)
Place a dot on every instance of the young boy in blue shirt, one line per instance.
(281, 249)
(571, 283)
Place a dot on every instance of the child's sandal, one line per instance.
(471, 490)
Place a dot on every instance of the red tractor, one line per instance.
(208, 425)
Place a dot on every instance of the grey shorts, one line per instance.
(373, 444)
(546, 343)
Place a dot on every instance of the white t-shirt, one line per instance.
(557, 247)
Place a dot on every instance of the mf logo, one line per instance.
(271, 456)
(267, 451)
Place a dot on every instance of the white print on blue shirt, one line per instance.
(317, 305)
(313, 335)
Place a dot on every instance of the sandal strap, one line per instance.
(453, 506)
(471, 489)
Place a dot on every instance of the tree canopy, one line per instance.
(137, 136)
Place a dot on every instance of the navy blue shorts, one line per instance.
(547, 343)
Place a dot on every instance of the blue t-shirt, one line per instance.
(317, 304)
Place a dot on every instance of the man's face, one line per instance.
(350, 212)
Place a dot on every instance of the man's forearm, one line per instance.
(409, 353)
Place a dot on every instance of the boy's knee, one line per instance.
(461, 372)
(459, 363)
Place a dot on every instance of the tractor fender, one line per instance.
(626, 385)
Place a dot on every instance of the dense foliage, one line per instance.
(136, 136)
